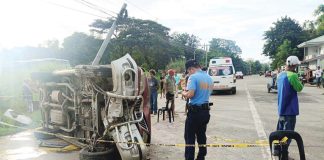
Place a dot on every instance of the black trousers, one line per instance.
(196, 125)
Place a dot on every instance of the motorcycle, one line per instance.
(272, 85)
(302, 79)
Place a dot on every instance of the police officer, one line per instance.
(198, 91)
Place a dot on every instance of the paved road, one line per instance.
(250, 115)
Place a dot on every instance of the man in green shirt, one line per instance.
(170, 88)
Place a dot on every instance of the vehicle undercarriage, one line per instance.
(98, 104)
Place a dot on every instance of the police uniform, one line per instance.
(198, 113)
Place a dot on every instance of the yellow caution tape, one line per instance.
(266, 142)
(244, 144)
(68, 148)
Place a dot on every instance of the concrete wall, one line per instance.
(312, 65)
(312, 52)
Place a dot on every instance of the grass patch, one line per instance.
(4, 131)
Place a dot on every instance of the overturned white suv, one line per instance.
(100, 106)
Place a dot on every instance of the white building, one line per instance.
(313, 52)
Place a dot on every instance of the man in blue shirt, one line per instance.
(198, 90)
(154, 87)
(288, 107)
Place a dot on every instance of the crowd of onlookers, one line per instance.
(306, 75)
(312, 76)
(167, 83)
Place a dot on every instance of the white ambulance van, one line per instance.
(222, 71)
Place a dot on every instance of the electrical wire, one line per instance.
(77, 10)
(101, 8)
(94, 7)
(111, 1)
(143, 10)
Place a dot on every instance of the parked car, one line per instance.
(239, 75)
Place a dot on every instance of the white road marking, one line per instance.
(258, 125)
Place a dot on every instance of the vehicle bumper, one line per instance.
(224, 87)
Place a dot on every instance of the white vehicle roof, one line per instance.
(220, 61)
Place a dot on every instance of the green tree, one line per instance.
(319, 13)
(309, 29)
(80, 48)
(285, 50)
(250, 65)
(284, 29)
(146, 41)
(186, 45)
(315, 28)
(178, 65)
(265, 67)
(227, 48)
(257, 67)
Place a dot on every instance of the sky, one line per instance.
(32, 22)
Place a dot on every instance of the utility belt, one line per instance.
(196, 108)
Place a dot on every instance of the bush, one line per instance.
(178, 65)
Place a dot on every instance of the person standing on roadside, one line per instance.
(198, 90)
(183, 83)
(177, 83)
(162, 84)
(154, 86)
(318, 76)
(170, 88)
(323, 78)
(288, 106)
(28, 95)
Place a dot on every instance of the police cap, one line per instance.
(192, 63)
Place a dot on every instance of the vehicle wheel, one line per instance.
(234, 91)
(85, 154)
(43, 134)
(146, 137)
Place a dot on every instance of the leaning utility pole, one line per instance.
(107, 40)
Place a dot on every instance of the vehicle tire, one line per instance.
(102, 155)
(41, 134)
(146, 137)
(234, 91)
